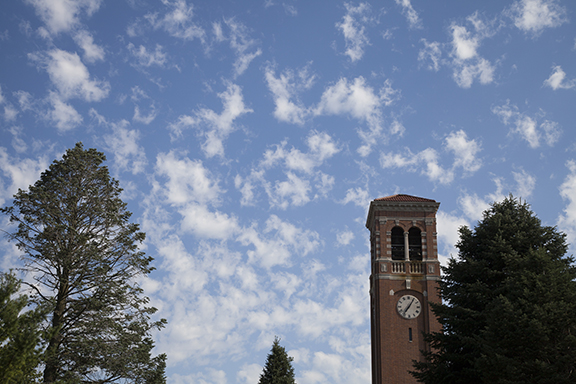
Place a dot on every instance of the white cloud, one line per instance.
(177, 21)
(285, 89)
(211, 376)
(207, 224)
(473, 206)
(214, 127)
(63, 15)
(361, 102)
(410, 13)
(249, 373)
(463, 43)
(359, 196)
(447, 227)
(144, 119)
(191, 189)
(241, 43)
(321, 147)
(70, 76)
(527, 126)
(428, 160)
(353, 29)
(533, 16)
(356, 98)
(138, 95)
(296, 189)
(552, 132)
(293, 190)
(431, 53)
(62, 115)
(467, 64)
(188, 180)
(24, 100)
(17, 142)
(567, 221)
(345, 237)
(290, 9)
(92, 51)
(21, 173)
(465, 74)
(123, 143)
(10, 113)
(147, 58)
(277, 242)
(525, 184)
(557, 80)
(465, 151)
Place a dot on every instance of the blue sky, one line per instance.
(250, 137)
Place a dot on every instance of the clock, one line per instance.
(409, 307)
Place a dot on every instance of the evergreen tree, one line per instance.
(20, 341)
(509, 310)
(81, 249)
(278, 368)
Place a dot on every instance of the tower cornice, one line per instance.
(401, 203)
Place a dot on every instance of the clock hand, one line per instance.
(408, 307)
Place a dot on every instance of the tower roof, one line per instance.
(400, 204)
(405, 198)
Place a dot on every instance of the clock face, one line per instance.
(409, 307)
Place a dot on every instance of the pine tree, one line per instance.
(20, 334)
(278, 368)
(509, 311)
(80, 247)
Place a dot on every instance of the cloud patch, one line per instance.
(414, 21)
(533, 16)
(214, 128)
(240, 42)
(528, 127)
(63, 15)
(177, 21)
(567, 221)
(70, 76)
(300, 168)
(427, 161)
(359, 100)
(285, 89)
(353, 27)
(558, 80)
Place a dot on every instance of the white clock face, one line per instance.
(409, 307)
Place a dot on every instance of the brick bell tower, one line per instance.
(403, 280)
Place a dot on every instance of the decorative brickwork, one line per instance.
(408, 269)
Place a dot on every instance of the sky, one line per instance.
(250, 137)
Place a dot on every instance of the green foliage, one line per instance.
(278, 368)
(509, 311)
(20, 341)
(81, 249)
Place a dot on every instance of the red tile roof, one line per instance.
(404, 198)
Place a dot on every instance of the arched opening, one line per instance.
(415, 243)
(397, 239)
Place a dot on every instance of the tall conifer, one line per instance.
(509, 311)
(82, 250)
(278, 368)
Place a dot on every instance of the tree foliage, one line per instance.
(82, 251)
(20, 335)
(278, 368)
(509, 311)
